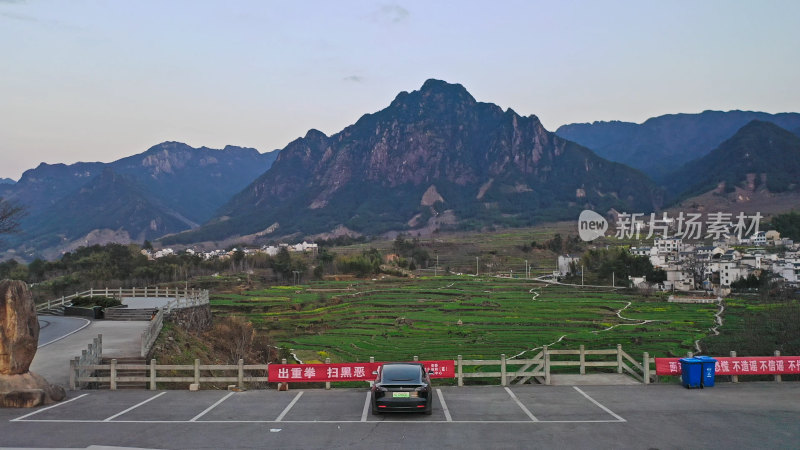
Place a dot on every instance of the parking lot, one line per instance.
(490, 404)
(749, 415)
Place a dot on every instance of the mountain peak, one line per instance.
(432, 84)
(435, 87)
(435, 96)
(313, 133)
(168, 145)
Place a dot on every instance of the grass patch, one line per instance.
(439, 318)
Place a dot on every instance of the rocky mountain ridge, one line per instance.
(663, 144)
(166, 189)
(435, 155)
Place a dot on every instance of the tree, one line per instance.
(10, 214)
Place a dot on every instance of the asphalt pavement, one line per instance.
(743, 415)
(54, 328)
(63, 338)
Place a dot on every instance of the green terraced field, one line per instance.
(399, 318)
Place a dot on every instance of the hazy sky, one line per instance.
(99, 80)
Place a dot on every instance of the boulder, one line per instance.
(19, 328)
(19, 338)
(28, 390)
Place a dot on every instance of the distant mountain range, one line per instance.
(760, 155)
(169, 188)
(756, 170)
(7, 181)
(434, 158)
(661, 144)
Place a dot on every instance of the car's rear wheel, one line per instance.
(429, 409)
(375, 411)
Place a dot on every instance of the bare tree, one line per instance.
(10, 214)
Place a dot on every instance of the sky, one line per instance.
(85, 80)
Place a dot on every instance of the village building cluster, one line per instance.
(692, 266)
(271, 250)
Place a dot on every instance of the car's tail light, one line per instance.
(380, 391)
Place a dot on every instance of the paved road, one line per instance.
(120, 339)
(53, 328)
(744, 415)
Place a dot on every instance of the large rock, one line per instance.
(19, 328)
(19, 338)
(28, 390)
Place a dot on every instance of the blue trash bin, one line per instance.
(691, 372)
(709, 370)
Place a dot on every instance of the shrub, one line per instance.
(88, 302)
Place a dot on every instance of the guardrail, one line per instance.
(184, 298)
(540, 366)
(80, 366)
(81, 375)
(150, 335)
(509, 371)
(787, 369)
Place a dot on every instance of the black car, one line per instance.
(402, 387)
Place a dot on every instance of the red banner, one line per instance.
(347, 371)
(744, 365)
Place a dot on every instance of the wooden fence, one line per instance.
(82, 375)
(183, 298)
(80, 366)
(150, 335)
(511, 371)
(649, 364)
(541, 365)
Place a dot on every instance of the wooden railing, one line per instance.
(541, 365)
(80, 366)
(150, 335)
(649, 364)
(183, 297)
(81, 375)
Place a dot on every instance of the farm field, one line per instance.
(442, 317)
(498, 251)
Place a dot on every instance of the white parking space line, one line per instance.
(49, 407)
(619, 418)
(109, 419)
(444, 406)
(482, 422)
(289, 406)
(519, 403)
(193, 419)
(366, 406)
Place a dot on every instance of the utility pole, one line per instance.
(476, 266)
(581, 274)
(612, 279)
(436, 268)
(526, 270)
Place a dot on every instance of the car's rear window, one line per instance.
(401, 372)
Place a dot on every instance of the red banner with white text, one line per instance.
(347, 371)
(739, 365)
